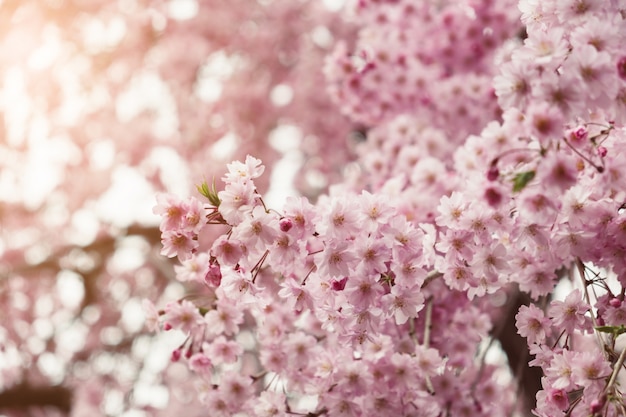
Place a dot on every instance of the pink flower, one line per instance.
(224, 319)
(596, 70)
(375, 209)
(373, 253)
(590, 367)
(227, 251)
(404, 302)
(181, 244)
(237, 200)
(295, 295)
(456, 244)
(260, 229)
(429, 361)
(458, 277)
(537, 280)
(273, 358)
(222, 351)
(512, 86)
(193, 269)
(363, 291)
(558, 398)
(532, 324)
(302, 213)
(341, 221)
(545, 122)
(565, 91)
(171, 209)
(240, 172)
(570, 314)
(183, 315)
(574, 11)
(237, 286)
(236, 389)
(201, 364)
(270, 404)
(490, 261)
(286, 251)
(336, 260)
(557, 171)
(193, 217)
(340, 405)
(561, 370)
(215, 401)
(451, 209)
(152, 315)
(547, 48)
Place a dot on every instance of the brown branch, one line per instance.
(25, 396)
(516, 349)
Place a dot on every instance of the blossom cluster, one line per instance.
(431, 60)
(382, 295)
(341, 304)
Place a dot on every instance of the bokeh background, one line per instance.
(104, 103)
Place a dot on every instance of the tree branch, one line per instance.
(516, 349)
(24, 396)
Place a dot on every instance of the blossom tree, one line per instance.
(490, 175)
(457, 248)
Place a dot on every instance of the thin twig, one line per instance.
(427, 327)
(428, 319)
(581, 271)
(616, 369)
(432, 275)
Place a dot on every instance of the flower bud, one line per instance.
(213, 276)
(596, 406)
(615, 302)
(339, 285)
(493, 173)
(493, 197)
(285, 224)
(578, 134)
(621, 68)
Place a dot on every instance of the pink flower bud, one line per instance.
(167, 326)
(615, 302)
(493, 197)
(339, 285)
(578, 134)
(285, 224)
(493, 173)
(559, 398)
(213, 276)
(176, 355)
(602, 151)
(596, 406)
(621, 68)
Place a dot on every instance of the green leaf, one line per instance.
(214, 199)
(615, 330)
(522, 179)
(209, 193)
(204, 189)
